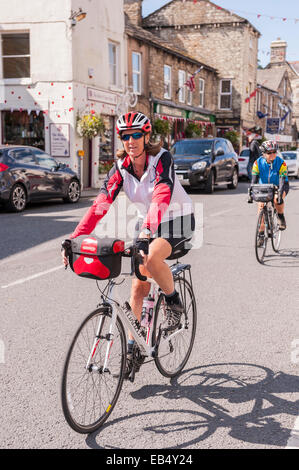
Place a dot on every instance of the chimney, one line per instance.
(133, 8)
(278, 51)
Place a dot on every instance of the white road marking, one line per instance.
(293, 442)
(34, 276)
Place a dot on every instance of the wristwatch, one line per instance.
(147, 231)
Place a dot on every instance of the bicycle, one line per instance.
(268, 216)
(94, 368)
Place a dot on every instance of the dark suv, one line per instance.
(204, 163)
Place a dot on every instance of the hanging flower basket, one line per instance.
(90, 125)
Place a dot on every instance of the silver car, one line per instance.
(292, 160)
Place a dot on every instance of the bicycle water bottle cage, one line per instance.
(96, 258)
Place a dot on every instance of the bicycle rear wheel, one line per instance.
(89, 394)
(174, 348)
(276, 233)
(260, 249)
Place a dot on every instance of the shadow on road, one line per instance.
(286, 258)
(40, 223)
(214, 391)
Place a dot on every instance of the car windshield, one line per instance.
(192, 148)
(244, 153)
(289, 156)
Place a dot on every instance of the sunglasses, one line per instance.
(136, 136)
(270, 153)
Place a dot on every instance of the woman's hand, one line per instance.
(143, 254)
(65, 260)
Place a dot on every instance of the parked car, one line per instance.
(29, 174)
(205, 163)
(243, 163)
(292, 160)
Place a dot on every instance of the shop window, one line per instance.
(106, 153)
(16, 55)
(136, 72)
(21, 128)
(113, 63)
(225, 94)
(167, 82)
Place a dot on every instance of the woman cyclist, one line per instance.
(272, 169)
(145, 171)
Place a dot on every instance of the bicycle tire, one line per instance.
(261, 251)
(276, 233)
(169, 349)
(77, 419)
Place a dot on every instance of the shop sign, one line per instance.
(273, 125)
(175, 112)
(60, 140)
(200, 117)
(227, 122)
(279, 137)
(101, 96)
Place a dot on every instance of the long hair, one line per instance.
(151, 148)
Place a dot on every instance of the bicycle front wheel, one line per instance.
(261, 244)
(276, 233)
(88, 391)
(174, 348)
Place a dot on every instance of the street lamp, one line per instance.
(77, 16)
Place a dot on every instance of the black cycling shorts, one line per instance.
(176, 231)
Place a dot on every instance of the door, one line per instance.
(219, 161)
(53, 177)
(86, 164)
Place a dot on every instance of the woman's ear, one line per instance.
(147, 138)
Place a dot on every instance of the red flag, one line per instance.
(190, 84)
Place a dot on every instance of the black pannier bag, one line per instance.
(263, 192)
(96, 258)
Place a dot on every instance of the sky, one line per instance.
(271, 29)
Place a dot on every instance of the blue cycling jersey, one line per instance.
(269, 173)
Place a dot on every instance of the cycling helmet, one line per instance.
(133, 121)
(269, 146)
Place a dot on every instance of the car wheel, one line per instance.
(210, 184)
(18, 199)
(73, 192)
(297, 176)
(235, 178)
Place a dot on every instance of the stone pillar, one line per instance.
(278, 51)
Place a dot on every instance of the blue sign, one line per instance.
(273, 125)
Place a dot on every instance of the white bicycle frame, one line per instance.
(128, 319)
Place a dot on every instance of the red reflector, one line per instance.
(241, 159)
(3, 167)
(119, 247)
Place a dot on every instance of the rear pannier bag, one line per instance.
(263, 192)
(96, 258)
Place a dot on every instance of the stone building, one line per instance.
(223, 40)
(278, 62)
(158, 71)
(274, 105)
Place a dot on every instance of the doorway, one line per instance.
(86, 167)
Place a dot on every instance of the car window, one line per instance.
(192, 148)
(22, 155)
(45, 160)
(219, 145)
(289, 156)
(245, 153)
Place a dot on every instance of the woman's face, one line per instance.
(134, 146)
(270, 157)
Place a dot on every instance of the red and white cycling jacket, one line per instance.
(158, 195)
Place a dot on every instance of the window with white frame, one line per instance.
(182, 91)
(136, 72)
(15, 55)
(189, 92)
(201, 93)
(113, 63)
(258, 101)
(225, 101)
(167, 82)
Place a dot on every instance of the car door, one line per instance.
(219, 161)
(25, 169)
(53, 176)
(229, 160)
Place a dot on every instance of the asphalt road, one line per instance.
(240, 388)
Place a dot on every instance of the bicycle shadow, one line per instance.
(285, 258)
(204, 387)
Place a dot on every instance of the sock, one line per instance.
(280, 215)
(130, 345)
(172, 298)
